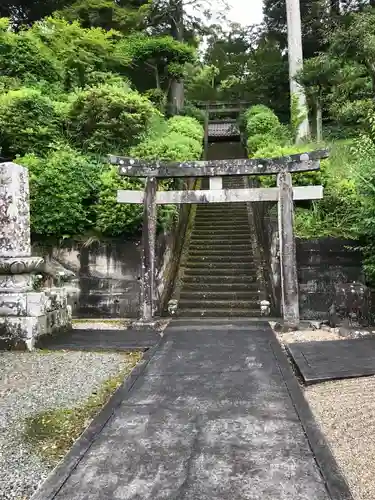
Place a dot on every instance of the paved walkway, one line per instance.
(214, 414)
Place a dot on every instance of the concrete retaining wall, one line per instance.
(322, 264)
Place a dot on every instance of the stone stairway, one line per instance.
(220, 274)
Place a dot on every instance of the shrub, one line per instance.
(113, 218)
(167, 141)
(186, 126)
(259, 142)
(258, 109)
(262, 123)
(63, 189)
(276, 151)
(29, 122)
(194, 112)
(25, 57)
(172, 147)
(108, 119)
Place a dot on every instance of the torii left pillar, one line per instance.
(148, 289)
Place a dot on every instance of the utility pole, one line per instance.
(295, 56)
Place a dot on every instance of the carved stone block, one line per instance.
(25, 314)
(14, 211)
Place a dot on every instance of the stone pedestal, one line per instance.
(25, 313)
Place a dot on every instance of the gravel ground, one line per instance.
(345, 410)
(31, 382)
(308, 336)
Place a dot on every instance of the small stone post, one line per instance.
(288, 264)
(25, 314)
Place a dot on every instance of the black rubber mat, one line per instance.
(337, 359)
(97, 340)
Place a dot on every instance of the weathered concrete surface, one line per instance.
(244, 166)
(209, 418)
(324, 266)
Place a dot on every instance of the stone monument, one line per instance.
(25, 312)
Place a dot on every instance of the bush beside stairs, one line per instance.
(220, 276)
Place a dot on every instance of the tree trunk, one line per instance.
(335, 7)
(157, 78)
(319, 121)
(176, 94)
(295, 56)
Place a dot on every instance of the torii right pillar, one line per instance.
(288, 262)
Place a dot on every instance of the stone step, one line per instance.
(223, 208)
(205, 212)
(220, 286)
(225, 246)
(223, 295)
(238, 267)
(195, 277)
(216, 313)
(213, 258)
(212, 252)
(220, 273)
(208, 224)
(216, 221)
(217, 304)
(216, 229)
(204, 237)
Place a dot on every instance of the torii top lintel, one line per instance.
(303, 162)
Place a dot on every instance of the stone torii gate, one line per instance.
(283, 194)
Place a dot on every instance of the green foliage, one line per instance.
(256, 110)
(364, 215)
(194, 112)
(161, 57)
(51, 433)
(200, 82)
(259, 142)
(157, 97)
(186, 126)
(181, 141)
(171, 147)
(262, 123)
(170, 141)
(142, 48)
(23, 56)
(29, 122)
(277, 151)
(106, 14)
(108, 119)
(263, 129)
(63, 188)
(297, 116)
(113, 218)
(80, 51)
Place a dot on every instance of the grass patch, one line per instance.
(52, 433)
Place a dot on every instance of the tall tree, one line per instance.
(183, 20)
(120, 15)
(29, 11)
(295, 58)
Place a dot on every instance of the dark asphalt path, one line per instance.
(210, 417)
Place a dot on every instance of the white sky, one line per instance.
(246, 12)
